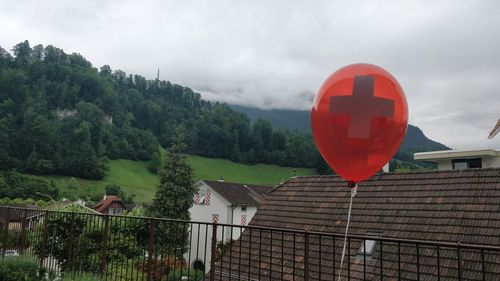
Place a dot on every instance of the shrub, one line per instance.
(162, 267)
(81, 277)
(176, 275)
(19, 268)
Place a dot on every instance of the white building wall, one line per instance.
(218, 205)
(487, 162)
(249, 213)
(491, 162)
(444, 165)
(199, 250)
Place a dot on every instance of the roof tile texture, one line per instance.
(443, 206)
(240, 194)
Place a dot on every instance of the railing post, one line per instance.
(6, 231)
(306, 256)
(45, 235)
(349, 259)
(71, 241)
(399, 261)
(23, 232)
(438, 260)
(214, 249)
(151, 248)
(418, 262)
(483, 270)
(459, 262)
(104, 249)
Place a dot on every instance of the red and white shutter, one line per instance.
(206, 200)
(215, 218)
(243, 219)
(197, 198)
(202, 197)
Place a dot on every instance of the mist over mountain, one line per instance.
(300, 120)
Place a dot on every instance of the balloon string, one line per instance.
(353, 193)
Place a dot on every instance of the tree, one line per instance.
(22, 51)
(172, 200)
(155, 163)
(114, 189)
(87, 233)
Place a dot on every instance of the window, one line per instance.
(368, 246)
(114, 211)
(215, 218)
(202, 197)
(244, 208)
(467, 163)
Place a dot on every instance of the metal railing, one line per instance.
(138, 248)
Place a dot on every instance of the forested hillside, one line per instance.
(299, 120)
(61, 115)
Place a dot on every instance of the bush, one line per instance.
(176, 275)
(19, 268)
(163, 267)
(81, 277)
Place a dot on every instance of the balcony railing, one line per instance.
(138, 248)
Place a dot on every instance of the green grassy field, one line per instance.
(134, 178)
(211, 169)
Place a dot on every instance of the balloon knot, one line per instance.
(351, 184)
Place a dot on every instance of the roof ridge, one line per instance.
(255, 193)
(236, 183)
(415, 172)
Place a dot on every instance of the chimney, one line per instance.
(221, 179)
(386, 168)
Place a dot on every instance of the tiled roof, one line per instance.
(239, 194)
(442, 206)
(106, 202)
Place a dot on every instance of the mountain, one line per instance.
(414, 141)
(281, 118)
(60, 115)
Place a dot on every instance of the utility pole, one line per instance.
(48, 196)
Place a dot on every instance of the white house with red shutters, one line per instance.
(222, 203)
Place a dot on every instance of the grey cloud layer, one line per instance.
(276, 54)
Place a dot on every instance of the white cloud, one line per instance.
(275, 54)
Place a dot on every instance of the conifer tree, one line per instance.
(172, 200)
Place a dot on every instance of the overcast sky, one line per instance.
(276, 54)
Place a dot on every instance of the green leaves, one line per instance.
(172, 200)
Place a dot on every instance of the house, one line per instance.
(456, 206)
(224, 203)
(461, 159)
(111, 205)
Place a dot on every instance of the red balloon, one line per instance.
(359, 120)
